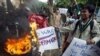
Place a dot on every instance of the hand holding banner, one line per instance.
(79, 47)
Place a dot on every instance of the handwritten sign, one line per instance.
(79, 48)
(47, 38)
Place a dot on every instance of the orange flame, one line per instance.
(33, 26)
(18, 46)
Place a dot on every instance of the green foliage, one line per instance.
(63, 3)
(42, 4)
(66, 3)
(82, 1)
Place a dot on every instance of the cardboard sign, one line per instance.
(47, 38)
(80, 48)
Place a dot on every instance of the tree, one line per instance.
(63, 3)
(66, 3)
(50, 7)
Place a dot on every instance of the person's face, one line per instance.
(85, 14)
(57, 11)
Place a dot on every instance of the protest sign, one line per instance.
(80, 48)
(63, 10)
(47, 38)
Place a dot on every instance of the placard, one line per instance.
(47, 38)
(80, 48)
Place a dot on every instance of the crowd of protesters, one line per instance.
(82, 25)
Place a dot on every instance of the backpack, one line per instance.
(78, 23)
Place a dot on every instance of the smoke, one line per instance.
(33, 5)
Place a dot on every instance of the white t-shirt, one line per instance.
(86, 34)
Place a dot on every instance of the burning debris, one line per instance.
(18, 46)
(16, 36)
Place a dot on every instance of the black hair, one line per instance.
(90, 8)
(55, 9)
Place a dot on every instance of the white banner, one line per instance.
(63, 10)
(79, 48)
(47, 38)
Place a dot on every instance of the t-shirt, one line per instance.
(86, 33)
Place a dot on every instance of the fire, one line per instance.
(33, 26)
(18, 46)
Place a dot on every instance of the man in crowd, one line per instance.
(57, 24)
(86, 28)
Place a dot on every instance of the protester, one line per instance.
(86, 28)
(57, 24)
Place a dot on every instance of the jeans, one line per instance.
(59, 38)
